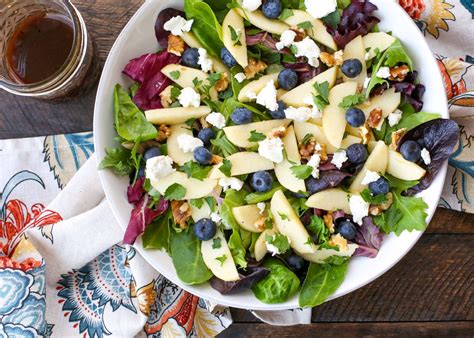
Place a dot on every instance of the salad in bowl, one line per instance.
(269, 142)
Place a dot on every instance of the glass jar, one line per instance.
(74, 77)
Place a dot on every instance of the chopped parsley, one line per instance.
(175, 74)
(375, 200)
(285, 14)
(305, 25)
(322, 99)
(226, 167)
(256, 136)
(235, 36)
(216, 243)
(302, 172)
(175, 192)
(352, 100)
(195, 170)
(222, 259)
(279, 241)
(283, 216)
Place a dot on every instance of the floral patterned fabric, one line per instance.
(95, 287)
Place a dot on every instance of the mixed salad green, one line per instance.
(268, 142)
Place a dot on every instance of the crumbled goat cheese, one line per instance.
(177, 25)
(320, 8)
(383, 73)
(425, 155)
(271, 149)
(369, 55)
(251, 95)
(395, 117)
(240, 77)
(315, 113)
(268, 96)
(231, 183)
(188, 143)
(339, 158)
(204, 61)
(216, 119)
(261, 207)
(308, 48)
(159, 167)
(286, 39)
(215, 217)
(251, 5)
(300, 114)
(359, 208)
(314, 163)
(370, 176)
(366, 82)
(189, 98)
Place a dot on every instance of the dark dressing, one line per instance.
(39, 47)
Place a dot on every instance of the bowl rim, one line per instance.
(223, 300)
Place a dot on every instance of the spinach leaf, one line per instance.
(279, 285)
(157, 234)
(206, 28)
(393, 55)
(320, 282)
(175, 192)
(234, 199)
(119, 160)
(187, 258)
(257, 197)
(130, 123)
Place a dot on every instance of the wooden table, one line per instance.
(429, 292)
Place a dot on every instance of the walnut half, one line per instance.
(175, 45)
(181, 213)
(254, 67)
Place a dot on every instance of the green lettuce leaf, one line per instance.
(119, 160)
(157, 234)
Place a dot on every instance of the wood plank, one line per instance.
(402, 329)
(432, 283)
(447, 221)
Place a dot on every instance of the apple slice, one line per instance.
(217, 65)
(174, 151)
(259, 20)
(239, 135)
(175, 115)
(388, 102)
(234, 24)
(377, 161)
(260, 248)
(199, 213)
(247, 216)
(219, 260)
(330, 200)
(318, 32)
(187, 76)
(377, 40)
(289, 224)
(243, 163)
(403, 169)
(194, 188)
(283, 170)
(298, 96)
(334, 117)
(356, 50)
(322, 254)
(255, 87)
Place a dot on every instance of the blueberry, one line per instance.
(202, 155)
(287, 79)
(295, 262)
(411, 151)
(357, 153)
(228, 58)
(190, 58)
(261, 181)
(205, 135)
(150, 153)
(280, 112)
(355, 117)
(141, 171)
(205, 229)
(347, 229)
(272, 9)
(314, 185)
(379, 187)
(241, 116)
(351, 68)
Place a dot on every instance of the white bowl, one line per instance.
(138, 37)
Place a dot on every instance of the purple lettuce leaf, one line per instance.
(163, 17)
(253, 275)
(141, 217)
(328, 179)
(135, 191)
(357, 19)
(412, 92)
(439, 137)
(265, 39)
(369, 238)
(146, 70)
